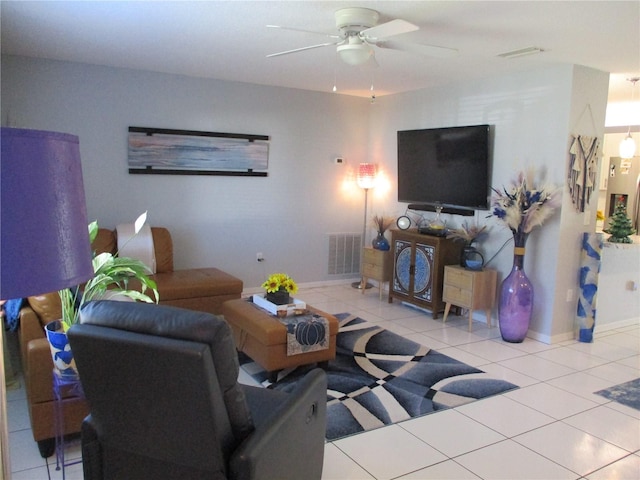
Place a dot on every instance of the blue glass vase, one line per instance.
(380, 242)
(516, 298)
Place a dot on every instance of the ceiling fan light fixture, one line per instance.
(627, 147)
(355, 54)
(355, 19)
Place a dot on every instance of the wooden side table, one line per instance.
(376, 264)
(471, 289)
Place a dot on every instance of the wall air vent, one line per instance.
(344, 253)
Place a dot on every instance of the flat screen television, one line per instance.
(448, 167)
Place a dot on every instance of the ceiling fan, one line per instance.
(359, 32)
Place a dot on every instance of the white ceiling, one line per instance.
(228, 40)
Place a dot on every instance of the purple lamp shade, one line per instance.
(44, 237)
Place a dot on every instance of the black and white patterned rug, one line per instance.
(379, 378)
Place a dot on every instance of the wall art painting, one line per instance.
(188, 152)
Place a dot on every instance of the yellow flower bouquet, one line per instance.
(279, 286)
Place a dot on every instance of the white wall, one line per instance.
(224, 221)
(532, 114)
(215, 221)
(587, 116)
(618, 301)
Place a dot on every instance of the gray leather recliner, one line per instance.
(162, 387)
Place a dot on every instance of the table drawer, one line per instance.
(372, 255)
(457, 296)
(459, 278)
(373, 271)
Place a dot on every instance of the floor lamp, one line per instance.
(366, 179)
(43, 223)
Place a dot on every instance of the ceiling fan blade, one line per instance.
(420, 49)
(301, 49)
(389, 29)
(330, 35)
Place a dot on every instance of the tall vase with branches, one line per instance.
(522, 206)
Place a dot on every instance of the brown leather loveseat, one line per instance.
(201, 289)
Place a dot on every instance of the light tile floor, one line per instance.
(552, 427)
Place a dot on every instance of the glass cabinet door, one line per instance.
(423, 265)
(403, 267)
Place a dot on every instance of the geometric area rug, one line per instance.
(379, 378)
(627, 393)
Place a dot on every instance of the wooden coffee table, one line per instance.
(263, 337)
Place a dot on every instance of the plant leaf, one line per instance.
(140, 221)
(93, 231)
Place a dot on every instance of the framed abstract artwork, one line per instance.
(189, 152)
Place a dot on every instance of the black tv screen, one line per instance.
(445, 166)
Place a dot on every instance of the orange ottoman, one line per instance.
(264, 338)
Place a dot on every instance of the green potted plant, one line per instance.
(112, 275)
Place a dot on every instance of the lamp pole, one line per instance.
(5, 472)
(366, 179)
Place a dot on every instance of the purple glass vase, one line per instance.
(516, 297)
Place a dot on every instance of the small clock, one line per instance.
(403, 222)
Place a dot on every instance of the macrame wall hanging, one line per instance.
(583, 163)
(583, 169)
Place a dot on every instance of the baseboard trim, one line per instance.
(616, 325)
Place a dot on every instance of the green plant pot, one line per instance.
(281, 297)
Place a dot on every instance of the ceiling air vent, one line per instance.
(522, 52)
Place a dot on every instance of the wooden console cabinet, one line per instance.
(418, 268)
